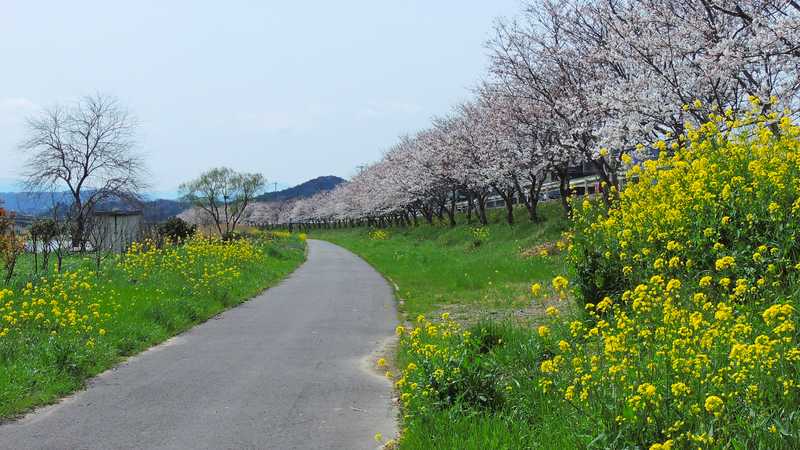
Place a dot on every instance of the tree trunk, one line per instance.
(451, 213)
(609, 178)
(508, 198)
(78, 230)
(439, 211)
(481, 202)
(531, 197)
(427, 212)
(35, 243)
(510, 209)
(563, 188)
(470, 206)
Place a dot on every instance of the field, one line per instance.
(58, 329)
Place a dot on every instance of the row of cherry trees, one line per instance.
(576, 82)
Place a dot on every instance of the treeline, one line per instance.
(602, 84)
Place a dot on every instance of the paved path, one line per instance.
(286, 370)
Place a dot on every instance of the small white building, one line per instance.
(115, 230)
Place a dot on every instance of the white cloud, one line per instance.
(13, 110)
(16, 103)
(375, 109)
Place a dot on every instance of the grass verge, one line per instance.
(475, 281)
(686, 334)
(64, 328)
(470, 271)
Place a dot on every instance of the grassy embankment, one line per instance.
(685, 333)
(486, 288)
(57, 330)
(470, 271)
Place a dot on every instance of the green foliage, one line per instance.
(379, 235)
(176, 230)
(598, 277)
(223, 195)
(689, 283)
(475, 388)
(479, 235)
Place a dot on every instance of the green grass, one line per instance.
(486, 288)
(38, 367)
(440, 268)
(522, 417)
(25, 272)
(477, 382)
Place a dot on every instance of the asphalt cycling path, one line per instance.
(289, 369)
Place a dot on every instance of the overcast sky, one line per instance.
(290, 89)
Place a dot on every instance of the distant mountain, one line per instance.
(154, 211)
(160, 210)
(33, 203)
(42, 203)
(303, 190)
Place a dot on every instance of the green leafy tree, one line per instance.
(223, 195)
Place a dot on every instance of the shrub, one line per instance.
(447, 366)
(218, 263)
(11, 245)
(700, 349)
(280, 234)
(729, 193)
(176, 230)
(230, 236)
(479, 236)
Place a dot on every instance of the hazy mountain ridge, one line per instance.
(302, 190)
(33, 203)
(158, 210)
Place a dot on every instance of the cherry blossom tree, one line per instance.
(574, 83)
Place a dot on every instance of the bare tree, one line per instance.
(223, 194)
(99, 240)
(89, 148)
(43, 232)
(61, 242)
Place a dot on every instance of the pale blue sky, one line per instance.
(293, 90)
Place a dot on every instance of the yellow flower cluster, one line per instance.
(438, 347)
(690, 284)
(378, 235)
(82, 302)
(282, 234)
(204, 263)
(68, 302)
